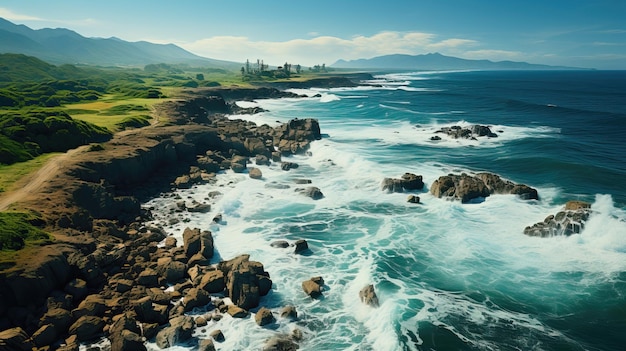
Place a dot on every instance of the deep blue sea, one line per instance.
(449, 276)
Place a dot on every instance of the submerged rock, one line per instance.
(368, 296)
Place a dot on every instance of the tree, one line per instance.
(243, 71)
(199, 76)
(298, 68)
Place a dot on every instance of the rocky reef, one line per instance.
(571, 220)
(458, 132)
(469, 188)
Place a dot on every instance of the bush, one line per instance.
(16, 229)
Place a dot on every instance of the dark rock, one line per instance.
(262, 160)
(467, 188)
(301, 245)
(58, 317)
(413, 199)
(236, 311)
(200, 208)
(45, 335)
(149, 277)
(280, 244)
(177, 332)
(286, 166)
(172, 271)
(196, 241)
(213, 282)
(409, 181)
(280, 343)
(313, 192)
(92, 305)
(368, 296)
(217, 335)
(124, 333)
(567, 222)
(243, 279)
(87, 328)
(313, 287)
(217, 218)
(206, 345)
(15, 339)
(289, 312)
(264, 317)
(196, 298)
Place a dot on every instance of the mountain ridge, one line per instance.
(437, 61)
(62, 45)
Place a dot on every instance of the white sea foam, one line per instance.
(461, 267)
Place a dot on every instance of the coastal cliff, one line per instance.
(104, 260)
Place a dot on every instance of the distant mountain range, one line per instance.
(61, 45)
(437, 61)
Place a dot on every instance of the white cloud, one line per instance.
(323, 49)
(12, 16)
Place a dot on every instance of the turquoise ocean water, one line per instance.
(449, 276)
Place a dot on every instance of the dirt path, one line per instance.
(31, 184)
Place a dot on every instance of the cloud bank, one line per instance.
(326, 49)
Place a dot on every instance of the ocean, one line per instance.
(449, 276)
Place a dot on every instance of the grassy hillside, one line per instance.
(27, 134)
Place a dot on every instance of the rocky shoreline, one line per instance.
(110, 275)
(105, 275)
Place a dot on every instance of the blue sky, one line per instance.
(581, 33)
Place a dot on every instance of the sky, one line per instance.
(578, 33)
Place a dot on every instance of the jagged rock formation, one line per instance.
(571, 220)
(467, 188)
(408, 181)
(473, 132)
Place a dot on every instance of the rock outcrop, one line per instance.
(571, 220)
(473, 132)
(468, 188)
(408, 181)
(246, 281)
(368, 296)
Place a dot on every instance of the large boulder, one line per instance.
(313, 287)
(245, 281)
(264, 317)
(196, 241)
(125, 333)
(196, 298)
(408, 181)
(212, 282)
(47, 270)
(177, 332)
(87, 328)
(15, 339)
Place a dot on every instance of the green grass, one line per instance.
(17, 229)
